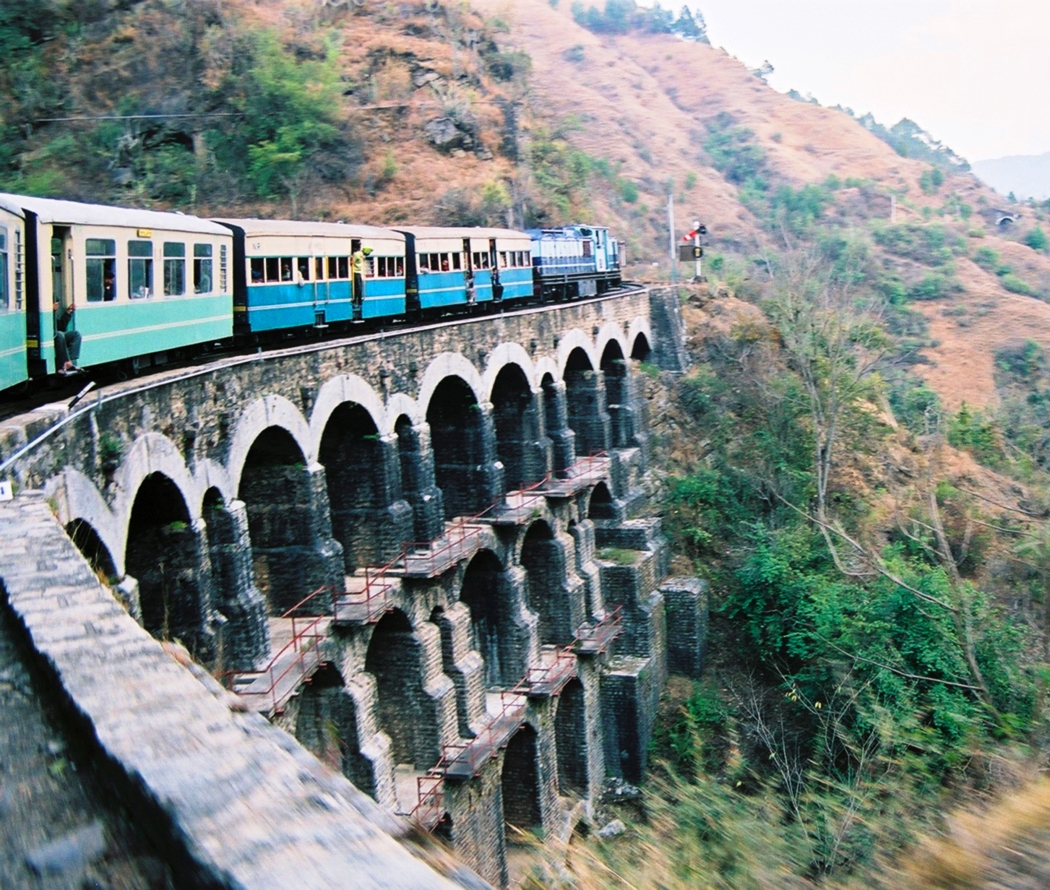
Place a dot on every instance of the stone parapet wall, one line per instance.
(233, 800)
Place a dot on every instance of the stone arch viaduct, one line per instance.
(424, 553)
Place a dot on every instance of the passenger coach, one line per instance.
(452, 267)
(13, 369)
(290, 274)
(144, 283)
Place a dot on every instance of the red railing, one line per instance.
(549, 679)
(304, 640)
(373, 601)
(596, 638)
(430, 790)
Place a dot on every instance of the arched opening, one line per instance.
(484, 593)
(544, 565)
(514, 415)
(570, 735)
(519, 784)
(617, 394)
(87, 541)
(327, 726)
(641, 350)
(457, 437)
(164, 555)
(276, 490)
(395, 659)
(352, 457)
(246, 634)
(601, 505)
(585, 404)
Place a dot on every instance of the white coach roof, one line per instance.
(49, 210)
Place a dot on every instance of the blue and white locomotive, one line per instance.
(148, 286)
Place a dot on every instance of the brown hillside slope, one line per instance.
(645, 102)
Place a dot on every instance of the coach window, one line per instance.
(457, 262)
(258, 270)
(174, 269)
(101, 267)
(286, 268)
(273, 271)
(202, 271)
(140, 269)
(319, 268)
(304, 268)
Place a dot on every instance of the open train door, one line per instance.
(497, 287)
(468, 271)
(599, 250)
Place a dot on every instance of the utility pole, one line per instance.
(696, 243)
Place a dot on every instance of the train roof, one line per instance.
(50, 210)
(572, 227)
(459, 232)
(292, 227)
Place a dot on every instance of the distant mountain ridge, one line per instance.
(1027, 176)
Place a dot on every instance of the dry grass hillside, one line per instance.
(646, 102)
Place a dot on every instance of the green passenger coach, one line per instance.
(13, 369)
(144, 284)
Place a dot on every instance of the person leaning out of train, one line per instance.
(67, 341)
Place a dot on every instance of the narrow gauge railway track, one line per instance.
(117, 382)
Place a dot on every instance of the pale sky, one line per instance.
(973, 73)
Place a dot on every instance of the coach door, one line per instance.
(469, 271)
(599, 250)
(497, 285)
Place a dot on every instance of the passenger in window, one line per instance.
(286, 270)
(257, 275)
(109, 288)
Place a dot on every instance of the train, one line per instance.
(149, 287)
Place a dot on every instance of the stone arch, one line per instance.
(395, 659)
(570, 735)
(568, 343)
(153, 453)
(520, 783)
(487, 594)
(544, 563)
(293, 553)
(449, 364)
(610, 332)
(516, 419)
(166, 554)
(245, 637)
(401, 405)
(617, 394)
(327, 726)
(369, 517)
(463, 443)
(585, 403)
(601, 505)
(507, 354)
(640, 348)
(262, 414)
(92, 548)
(333, 394)
(639, 328)
(77, 499)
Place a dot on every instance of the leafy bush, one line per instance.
(1016, 285)
(931, 245)
(986, 258)
(933, 286)
(969, 429)
(732, 151)
(931, 180)
(1036, 239)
